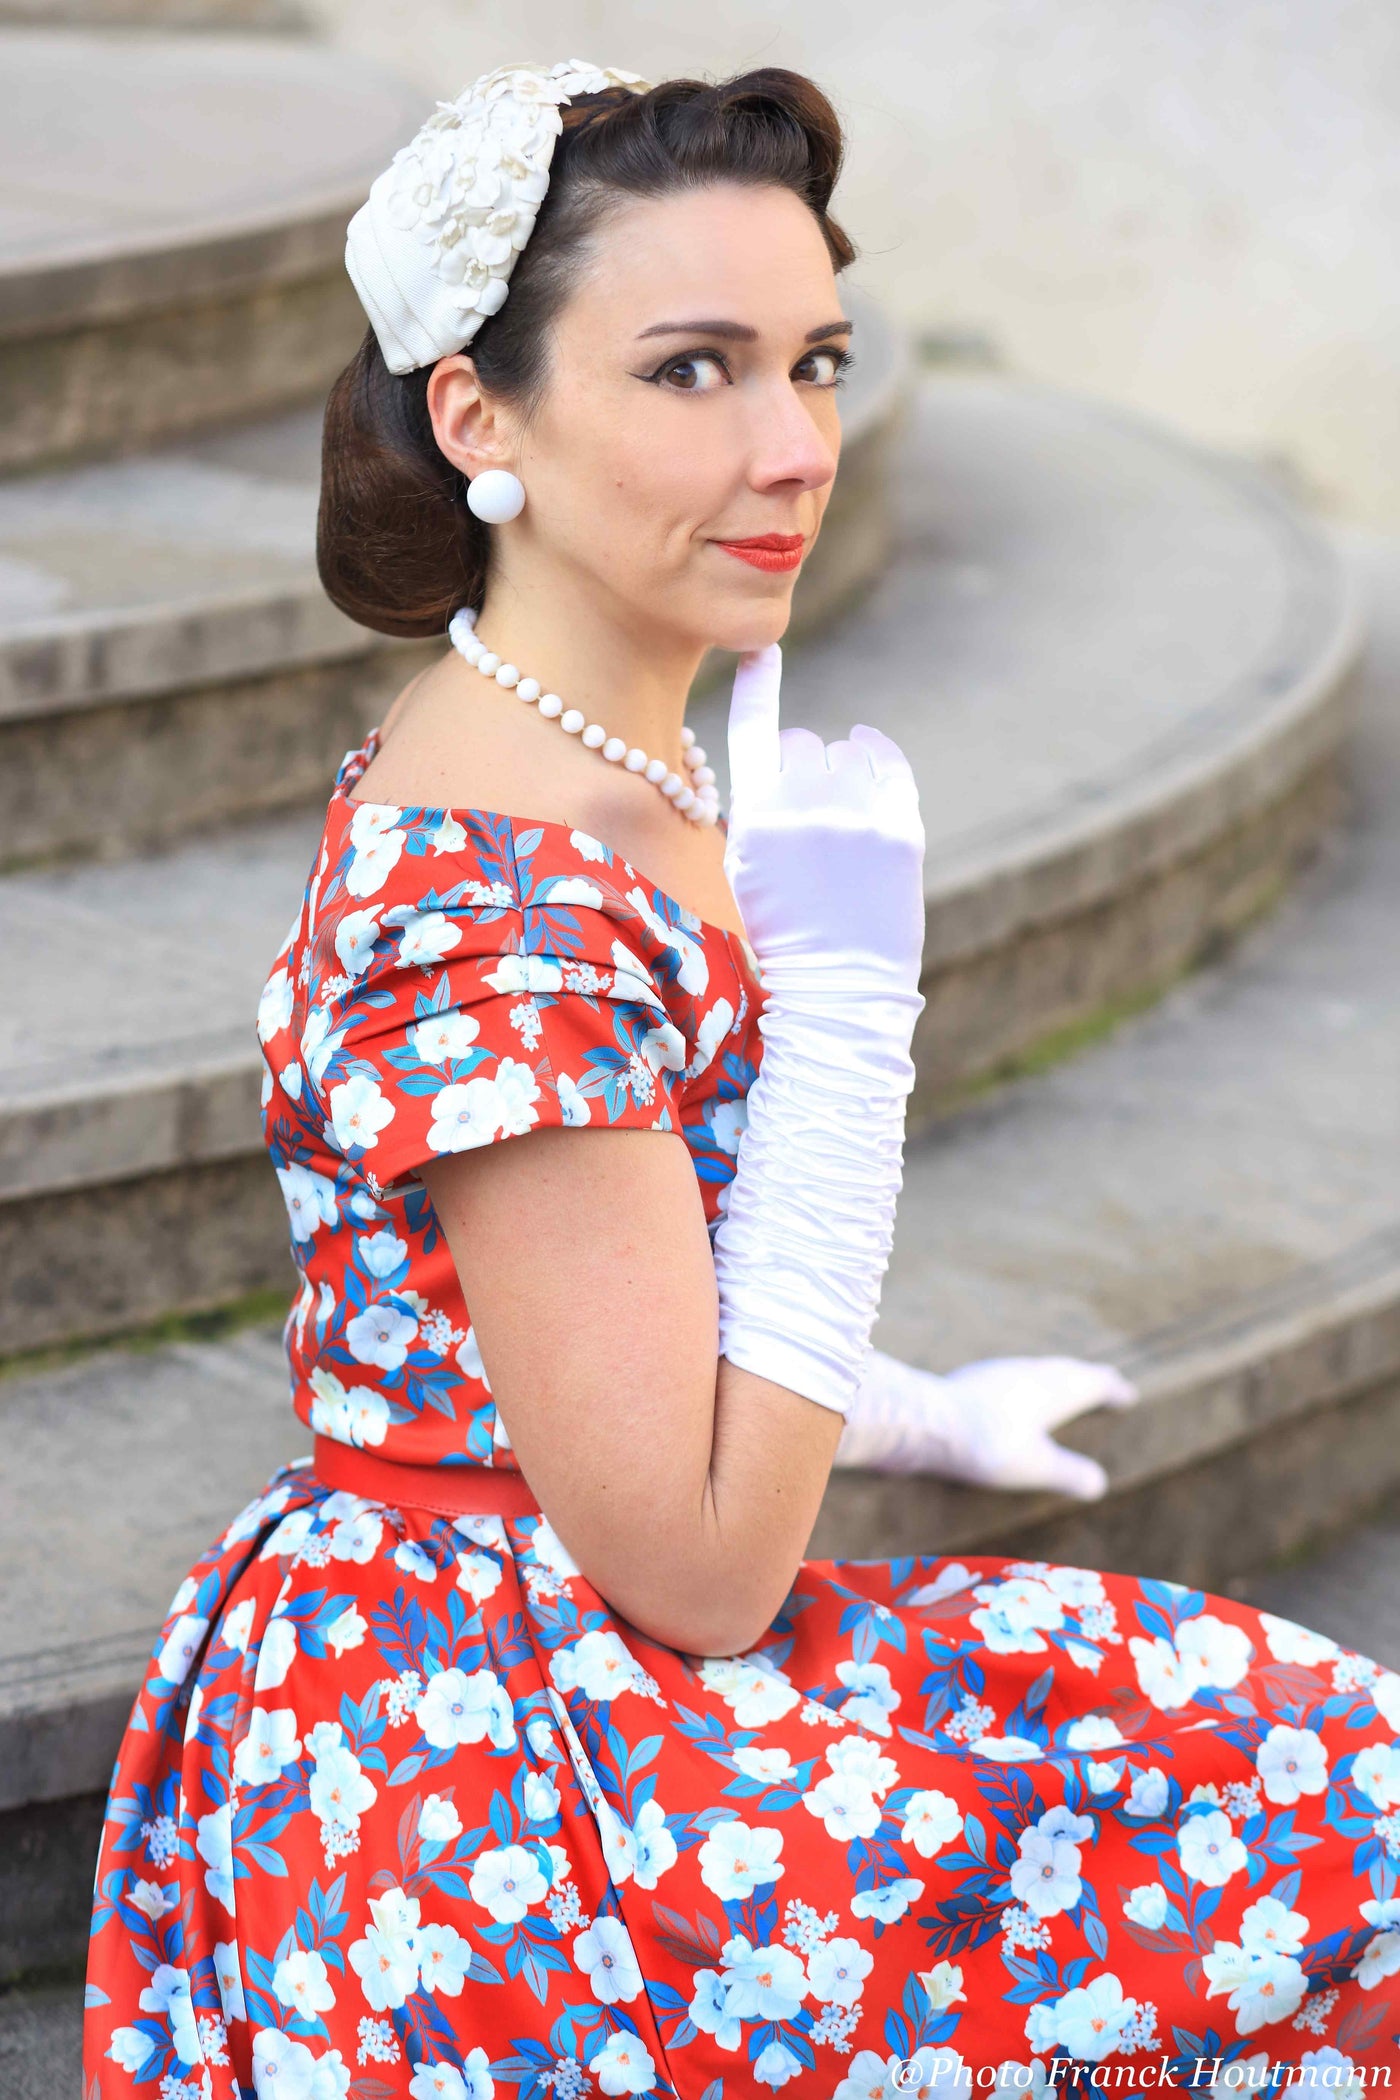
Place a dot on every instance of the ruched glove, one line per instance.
(824, 855)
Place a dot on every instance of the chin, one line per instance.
(740, 628)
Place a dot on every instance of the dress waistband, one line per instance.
(446, 1491)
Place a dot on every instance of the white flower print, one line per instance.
(302, 1981)
(378, 843)
(275, 1005)
(735, 1860)
(444, 1036)
(1262, 1988)
(310, 1200)
(715, 1025)
(1147, 1795)
(444, 1959)
(932, 1819)
(624, 2064)
(506, 1881)
(180, 1649)
(1292, 1762)
(438, 1820)
(771, 1766)
(837, 1969)
(319, 1043)
(1385, 1694)
(340, 1790)
(424, 938)
(1147, 1905)
(479, 1574)
(381, 1252)
(357, 1416)
(756, 1693)
(1270, 1927)
(1089, 2022)
(358, 1112)
(525, 973)
(386, 1959)
(271, 1743)
(276, 1652)
(571, 889)
(1093, 1732)
(477, 1111)
(540, 1798)
(664, 1048)
(599, 1664)
(355, 935)
(347, 1631)
(381, 1335)
(573, 1105)
(604, 1954)
(845, 1807)
(214, 1844)
(229, 1977)
(1209, 1850)
(1215, 1652)
(728, 1122)
(1045, 1877)
(457, 1708)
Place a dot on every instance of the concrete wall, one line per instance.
(1190, 205)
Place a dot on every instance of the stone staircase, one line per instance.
(1125, 672)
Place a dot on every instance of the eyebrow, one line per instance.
(738, 331)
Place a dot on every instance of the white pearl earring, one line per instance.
(496, 496)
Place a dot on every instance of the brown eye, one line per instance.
(837, 360)
(694, 361)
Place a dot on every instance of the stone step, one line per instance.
(172, 229)
(1120, 670)
(41, 2042)
(169, 661)
(1208, 1199)
(154, 14)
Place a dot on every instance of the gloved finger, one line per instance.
(883, 752)
(753, 717)
(1071, 1472)
(1068, 1385)
(801, 751)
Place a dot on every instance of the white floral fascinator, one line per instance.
(431, 251)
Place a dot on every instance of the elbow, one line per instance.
(728, 1624)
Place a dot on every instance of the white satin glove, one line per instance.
(987, 1423)
(824, 854)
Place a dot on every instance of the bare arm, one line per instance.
(685, 1488)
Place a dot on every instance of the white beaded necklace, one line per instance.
(699, 800)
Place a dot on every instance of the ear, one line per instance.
(472, 429)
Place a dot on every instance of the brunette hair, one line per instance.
(396, 546)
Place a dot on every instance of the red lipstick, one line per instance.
(771, 550)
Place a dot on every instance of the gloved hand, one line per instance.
(987, 1423)
(824, 850)
(824, 853)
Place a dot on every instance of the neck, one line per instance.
(631, 675)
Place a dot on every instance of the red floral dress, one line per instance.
(405, 1807)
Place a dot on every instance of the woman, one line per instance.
(511, 1745)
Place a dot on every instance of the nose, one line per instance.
(790, 448)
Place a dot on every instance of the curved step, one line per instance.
(1119, 669)
(168, 659)
(153, 14)
(1209, 1199)
(173, 230)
